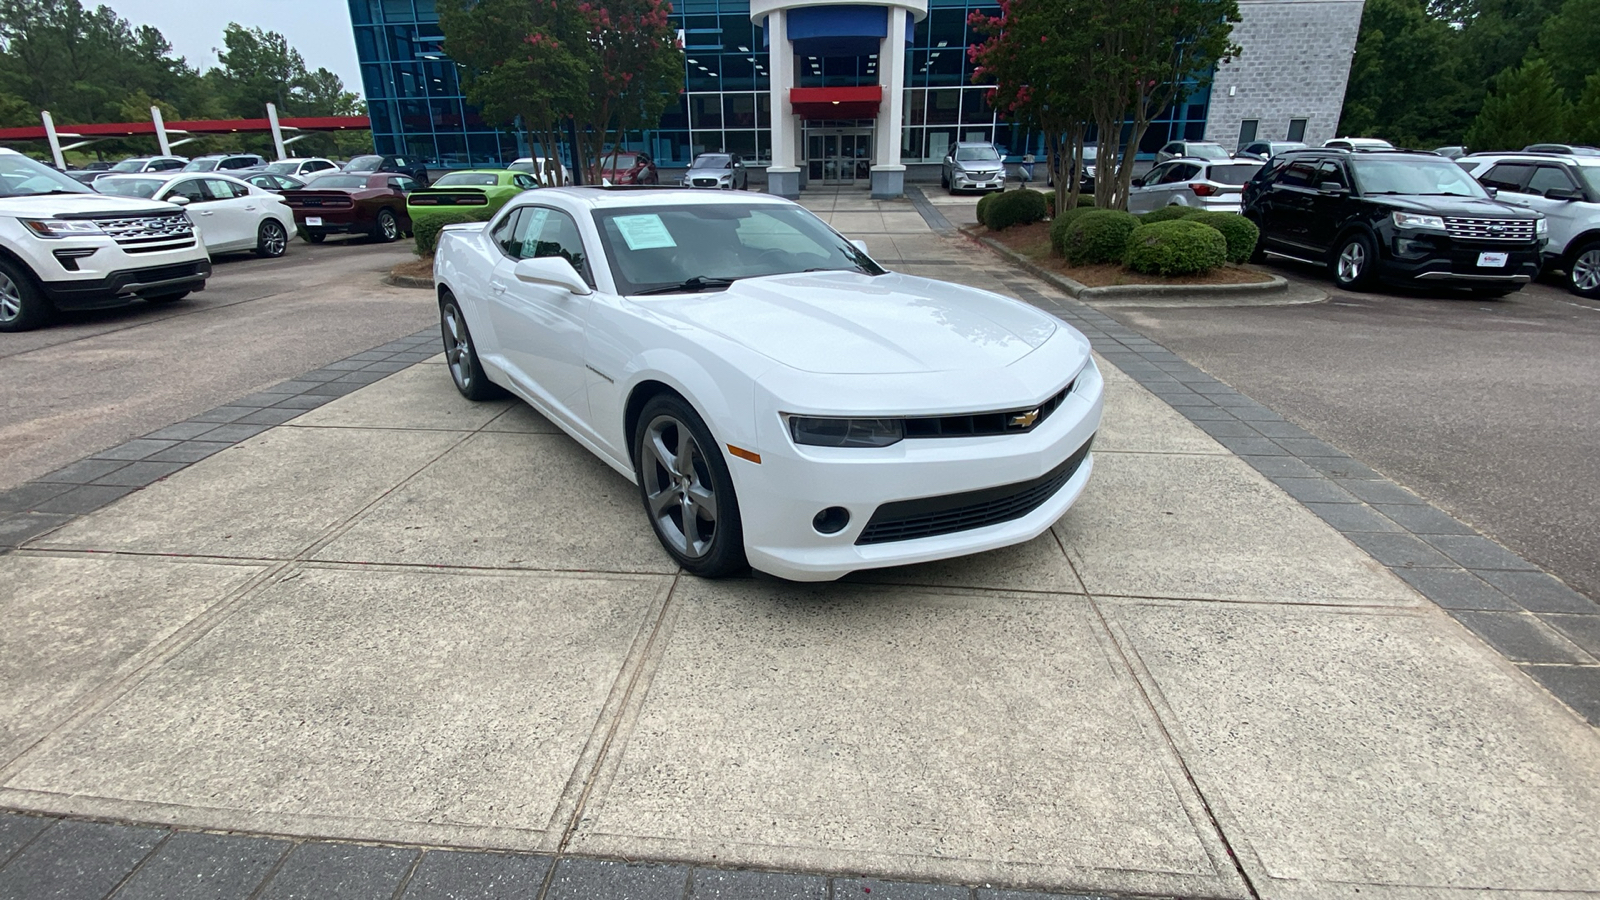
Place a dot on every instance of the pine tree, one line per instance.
(1525, 108)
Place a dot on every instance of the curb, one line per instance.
(1082, 292)
(408, 281)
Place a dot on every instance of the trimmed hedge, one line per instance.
(1240, 233)
(427, 223)
(1168, 214)
(1176, 247)
(1058, 228)
(1097, 236)
(1014, 208)
(983, 207)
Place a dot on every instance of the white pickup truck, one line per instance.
(64, 246)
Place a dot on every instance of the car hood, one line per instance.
(848, 323)
(80, 206)
(1468, 207)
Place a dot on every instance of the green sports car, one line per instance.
(485, 189)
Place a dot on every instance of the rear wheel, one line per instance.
(22, 306)
(272, 239)
(687, 491)
(1583, 270)
(1353, 262)
(461, 356)
(387, 228)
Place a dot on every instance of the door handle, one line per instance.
(497, 287)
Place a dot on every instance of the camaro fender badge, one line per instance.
(1024, 420)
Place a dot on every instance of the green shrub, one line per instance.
(1050, 205)
(1015, 208)
(1240, 233)
(426, 224)
(1058, 228)
(983, 207)
(1168, 214)
(1097, 236)
(1178, 247)
(1086, 201)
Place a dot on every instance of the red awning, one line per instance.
(213, 126)
(836, 102)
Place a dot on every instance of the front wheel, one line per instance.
(387, 227)
(686, 489)
(1353, 262)
(461, 357)
(1583, 271)
(272, 239)
(22, 307)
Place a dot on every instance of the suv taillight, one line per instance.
(1201, 189)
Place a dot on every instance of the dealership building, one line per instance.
(863, 93)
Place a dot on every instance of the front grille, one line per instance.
(141, 230)
(1011, 421)
(153, 248)
(1508, 230)
(705, 182)
(905, 520)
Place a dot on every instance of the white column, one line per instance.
(50, 135)
(277, 133)
(888, 174)
(161, 131)
(783, 176)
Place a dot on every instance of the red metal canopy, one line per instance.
(212, 126)
(836, 102)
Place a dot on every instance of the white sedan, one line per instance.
(780, 399)
(230, 214)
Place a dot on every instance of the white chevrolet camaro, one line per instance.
(780, 399)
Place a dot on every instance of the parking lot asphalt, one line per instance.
(95, 379)
(1489, 409)
(1215, 677)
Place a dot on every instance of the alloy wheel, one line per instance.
(457, 347)
(391, 229)
(678, 487)
(1586, 270)
(1352, 260)
(274, 240)
(10, 299)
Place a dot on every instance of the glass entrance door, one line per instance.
(837, 156)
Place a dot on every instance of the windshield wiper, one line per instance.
(693, 285)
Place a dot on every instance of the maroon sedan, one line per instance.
(370, 203)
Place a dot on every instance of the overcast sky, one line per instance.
(319, 29)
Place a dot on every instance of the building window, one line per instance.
(1247, 131)
(1297, 129)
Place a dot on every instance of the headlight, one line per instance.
(846, 432)
(1411, 220)
(58, 228)
(1542, 226)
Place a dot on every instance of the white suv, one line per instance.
(1566, 188)
(63, 246)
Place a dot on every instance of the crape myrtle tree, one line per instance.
(1115, 64)
(605, 67)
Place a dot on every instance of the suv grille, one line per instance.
(1517, 230)
(905, 520)
(160, 232)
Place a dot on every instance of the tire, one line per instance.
(167, 298)
(670, 437)
(387, 227)
(1583, 270)
(944, 180)
(1353, 262)
(461, 354)
(22, 306)
(272, 239)
(314, 237)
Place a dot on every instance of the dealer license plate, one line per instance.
(1492, 260)
(317, 220)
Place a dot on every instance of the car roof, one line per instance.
(1532, 156)
(614, 197)
(159, 176)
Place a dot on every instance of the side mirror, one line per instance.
(1563, 194)
(1331, 187)
(552, 271)
(1138, 182)
(1492, 192)
(861, 245)
(179, 199)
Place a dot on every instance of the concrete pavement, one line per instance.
(440, 627)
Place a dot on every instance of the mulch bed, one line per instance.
(415, 268)
(1033, 242)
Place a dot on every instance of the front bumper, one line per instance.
(779, 497)
(123, 286)
(968, 182)
(1430, 259)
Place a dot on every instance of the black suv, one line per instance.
(404, 165)
(1400, 216)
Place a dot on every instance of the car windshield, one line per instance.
(337, 180)
(201, 165)
(364, 164)
(1233, 173)
(1419, 177)
(22, 177)
(1591, 175)
(1206, 151)
(711, 162)
(130, 165)
(282, 168)
(976, 154)
(466, 179)
(653, 248)
(130, 187)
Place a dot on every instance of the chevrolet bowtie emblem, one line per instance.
(1025, 419)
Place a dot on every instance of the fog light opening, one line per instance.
(831, 520)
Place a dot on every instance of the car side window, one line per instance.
(505, 235)
(1506, 176)
(1180, 173)
(522, 181)
(1549, 178)
(1331, 171)
(402, 184)
(190, 188)
(223, 190)
(547, 232)
(1300, 173)
(1155, 175)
